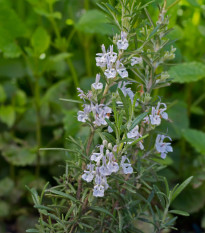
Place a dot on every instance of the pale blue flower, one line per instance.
(97, 85)
(97, 156)
(89, 175)
(121, 69)
(134, 134)
(163, 147)
(136, 60)
(98, 191)
(101, 59)
(84, 115)
(123, 42)
(126, 167)
(104, 171)
(112, 55)
(156, 115)
(110, 72)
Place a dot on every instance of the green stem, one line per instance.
(53, 22)
(188, 97)
(73, 72)
(88, 64)
(86, 4)
(164, 217)
(38, 121)
(69, 62)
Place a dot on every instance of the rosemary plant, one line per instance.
(111, 182)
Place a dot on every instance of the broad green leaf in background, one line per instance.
(196, 138)
(11, 28)
(12, 68)
(191, 200)
(7, 115)
(94, 21)
(2, 94)
(19, 156)
(178, 120)
(6, 186)
(71, 126)
(187, 72)
(4, 209)
(40, 40)
(193, 3)
(20, 98)
(203, 222)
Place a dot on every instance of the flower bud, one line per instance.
(110, 146)
(114, 148)
(147, 97)
(105, 142)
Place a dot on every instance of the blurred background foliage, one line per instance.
(47, 49)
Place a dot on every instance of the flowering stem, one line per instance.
(84, 164)
(105, 93)
(90, 140)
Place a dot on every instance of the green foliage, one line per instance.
(187, 72)
(94, 21)
(7, 115)
(40, 41)
(71, 34)
(196, 138)
(11, 28)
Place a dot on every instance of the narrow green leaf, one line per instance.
(181, 188)
(128, 188)
(125, 103)
(120, 221)
(87, 226)
(171, 222)
(55, 218)
(149, 17)
(101, 210)
(137, 120)
(179, 212)
(112, 126)
(154, 31)
(160, 197)
(65, 195)
(32, 230)
(139, 139)
(103, 8)
(72, 101)
(70, 211)
(111, 8)
(107, 136)
(166, 185)
(43, 207)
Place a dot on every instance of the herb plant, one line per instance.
(111, 181)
